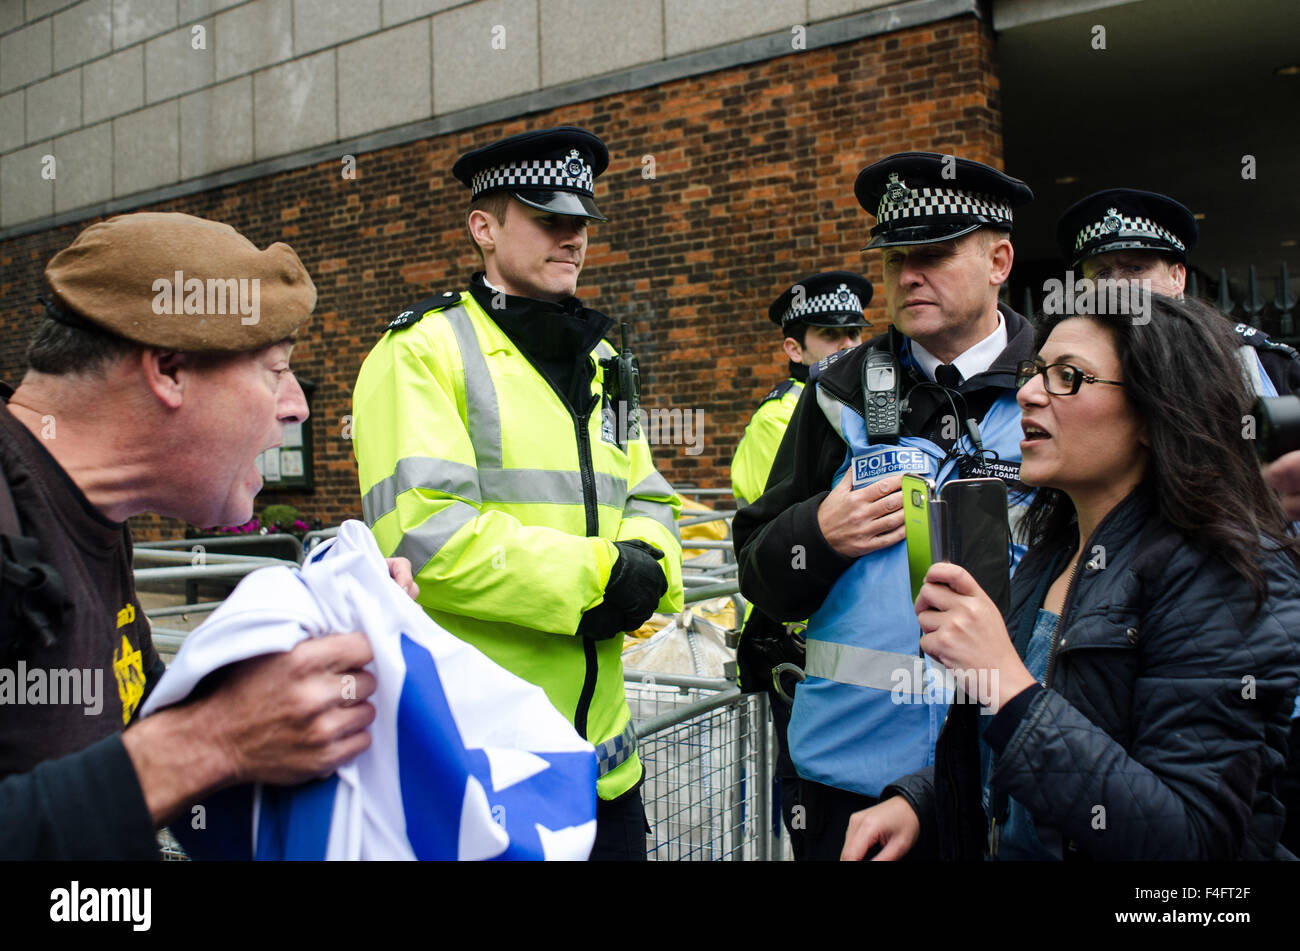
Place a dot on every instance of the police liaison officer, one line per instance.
(817, 316)
(491, 454)
(1128, 234)
(817, 546)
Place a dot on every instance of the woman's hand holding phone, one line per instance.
(963, 630)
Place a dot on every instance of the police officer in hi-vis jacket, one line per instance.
(492, 454)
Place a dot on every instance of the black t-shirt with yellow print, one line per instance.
(61, 699)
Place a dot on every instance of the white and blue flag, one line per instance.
(467, 761)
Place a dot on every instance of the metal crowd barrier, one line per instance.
(707, 752)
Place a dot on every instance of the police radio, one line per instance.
(623, 387)
(880, 395)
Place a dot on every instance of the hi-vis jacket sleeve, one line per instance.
(422, 498)
(651, 515)
(754, 456)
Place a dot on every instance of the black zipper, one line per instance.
(586, 468)
(588, 471)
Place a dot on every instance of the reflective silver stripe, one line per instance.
(610, 489)
(864, 667)
(504, 486)
(420, 472)
(421, 543)
(549, 486)
(831, 408)
(661, 512)
(1249, 361)
(616, 751)
(654, 484)
(480, 394)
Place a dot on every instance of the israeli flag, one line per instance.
(467, 761)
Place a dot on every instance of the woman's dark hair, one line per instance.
(1182, 375)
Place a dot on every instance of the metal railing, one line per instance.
(706, 748)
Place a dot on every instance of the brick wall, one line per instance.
(754, 168)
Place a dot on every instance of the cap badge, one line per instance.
(574, 166)
(1112, 221)
(896, 190)
(842, 294)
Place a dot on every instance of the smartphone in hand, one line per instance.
(964, 522)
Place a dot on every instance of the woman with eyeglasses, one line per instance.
(1139, 691)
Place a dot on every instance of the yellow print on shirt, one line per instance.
(128, 668)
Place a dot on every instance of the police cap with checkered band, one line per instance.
(1125, 219)
(829, 299)
(924, 197)
(551, 169)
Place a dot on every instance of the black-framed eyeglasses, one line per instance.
(1059, 379)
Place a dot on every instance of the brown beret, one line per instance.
(182, 283)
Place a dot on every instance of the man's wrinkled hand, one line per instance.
(857, 521)
(290, 717)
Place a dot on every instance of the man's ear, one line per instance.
(1178, 275)
(483, 229)
(164, 373)
(1001, 256)
(792, 349)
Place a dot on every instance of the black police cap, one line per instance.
(551, 169)
(924, 197)
(829, 299)
(1123, 219)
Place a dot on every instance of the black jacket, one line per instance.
(786, 566)
(1167, 705)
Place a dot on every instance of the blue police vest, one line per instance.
(870, 709)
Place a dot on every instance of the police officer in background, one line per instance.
(492, 453)
(1128, 234)
(818, 316)
(823, 543)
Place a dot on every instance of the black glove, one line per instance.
(635, 586)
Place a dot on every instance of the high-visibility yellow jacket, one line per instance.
(753, 460)
(507, 505)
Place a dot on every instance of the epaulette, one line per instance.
(1254, 337)
(818, 368)
(778, 391)
(413, 315)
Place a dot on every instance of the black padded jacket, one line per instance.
(1163, 725)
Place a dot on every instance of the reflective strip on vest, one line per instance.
(453, 478)
(421, 543)
(653, 484)
(480, 394)
(616, 751)
(507, 486)
(864, 667)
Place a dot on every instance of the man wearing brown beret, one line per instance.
(159, 374)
